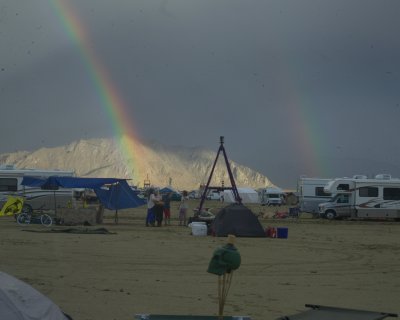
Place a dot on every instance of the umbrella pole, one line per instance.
(116, 217)
(220, 297)
(55, 204)
(224, 283)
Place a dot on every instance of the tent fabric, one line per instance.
(238, 220)
(167, 190)
(247, 195)
(119, 196)
(68, 182)
(20, 301)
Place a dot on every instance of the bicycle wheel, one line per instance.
(46, 220)
(23, 219)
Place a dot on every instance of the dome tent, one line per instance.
(20, 301)
(238, 220)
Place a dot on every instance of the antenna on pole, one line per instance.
(232, 180)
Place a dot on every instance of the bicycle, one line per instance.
(26, 218)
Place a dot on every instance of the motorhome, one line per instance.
(311, 193)
(35, 197)
(271, 196)
(363, 198)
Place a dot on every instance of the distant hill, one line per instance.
(185, 168)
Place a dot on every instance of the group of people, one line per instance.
(159, 208)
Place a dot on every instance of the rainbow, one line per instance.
(112, 102)
(303, 122)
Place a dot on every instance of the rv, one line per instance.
(271, 196)
(34, 197)
(311, 193)
(360, 197)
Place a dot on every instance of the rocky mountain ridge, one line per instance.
(180, 167)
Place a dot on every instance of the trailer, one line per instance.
(311, 193)
(271, 196)
(35, 198)
(363, 198)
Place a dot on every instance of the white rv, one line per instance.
(311, 193)
(360, 197)
(35, 197)
(271, 196)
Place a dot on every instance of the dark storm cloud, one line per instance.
(262, 73)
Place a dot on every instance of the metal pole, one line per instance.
(203, 197)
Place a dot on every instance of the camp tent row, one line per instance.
(113, 193)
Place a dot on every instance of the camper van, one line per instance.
(360, 197)
(271, 196)
(35, 197)
(311, 193)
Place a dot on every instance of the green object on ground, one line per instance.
(224, 260)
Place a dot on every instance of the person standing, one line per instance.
(158, 208)
(183, 208)
(167, 208)
(150, 217)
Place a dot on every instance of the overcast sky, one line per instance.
(296, 87)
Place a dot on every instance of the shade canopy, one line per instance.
(67, 182)
(113, 193)
(119, 196)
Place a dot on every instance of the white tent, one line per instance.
(20, 301)
(248, 195)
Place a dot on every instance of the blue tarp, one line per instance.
(167, 190)
(67, 182)
(117, 194)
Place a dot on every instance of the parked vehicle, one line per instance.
(34, 197)
(214, 195)
(271, 196)
(360, 197)
(311, 193)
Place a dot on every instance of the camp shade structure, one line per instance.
(68, 182)
(20, 301)
(233, 187)
(119, 196)
(113, 193)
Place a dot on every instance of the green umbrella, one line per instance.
(224, 260)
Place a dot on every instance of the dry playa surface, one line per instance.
(138, 269)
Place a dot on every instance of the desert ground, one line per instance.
(138, 269)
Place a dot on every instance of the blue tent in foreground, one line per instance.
(113, 193)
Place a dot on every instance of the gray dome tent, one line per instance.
(20, 301)
(238, 220)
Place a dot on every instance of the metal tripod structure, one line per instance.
(232, 180)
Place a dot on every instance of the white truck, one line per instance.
(271, 196)
(311, 193)
(35, 197)
(363, 198)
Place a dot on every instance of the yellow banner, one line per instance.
(12, 206)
